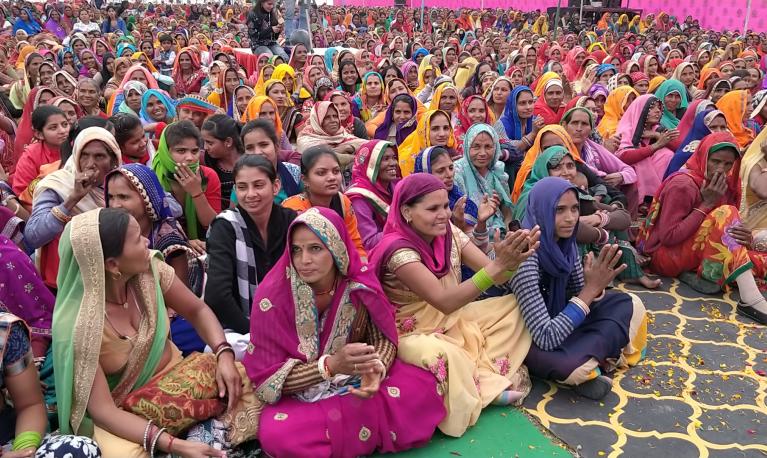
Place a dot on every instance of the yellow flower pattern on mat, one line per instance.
(694, 344)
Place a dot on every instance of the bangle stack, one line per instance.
(154, 441)
(482, 280)
(60, 215)
(604, 236)
(144, 443)
(223, 347)
(605, 219)
(481, 237)
(27, 439)
(581, 304)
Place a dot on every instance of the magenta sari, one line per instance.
(288, 337)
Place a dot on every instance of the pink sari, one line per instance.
(288, 337)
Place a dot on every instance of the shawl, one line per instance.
(347, 123)
(572, 69)
(420, 139)
(253, 111)
(551, 156)
(25, 133)
(403, 130)
(79, 318)
(670, 120)
(535, 151)
(697, 132)
(556, 257)
(398, 234)
(313, 134)
(360, 100)
(464, 72)
(62, 181)
(614, 108)
(365, 184)
(30, 25)
(734, 105)
(510, 117)
(287, 330)
(474, 184)
(423, 165)
(184, 85)
(245, 264)
(162, 97)
(55, 28)
(632, 124)
(164, 166)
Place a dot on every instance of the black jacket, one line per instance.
(260, 25)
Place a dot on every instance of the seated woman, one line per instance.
(599, 223)
(479, 174)
(399, 120)
(259, 226)
(550, 94)
(24, 424)
(517, 123)
(705, 123)
(75, 188)
(694, 225)
(753, 170)
(474, 348)
(642, 146)
(674, 100)
(260, 137)
(474, 110)
(434, 129)
(196, 187)
(374, 175)
(157, 111)
(262, 107)
(109, 275)
(351, 123)
(615, 105)
(290, 115)
(575, 340)
(222, 147)
(324, 128)
(321, 176)
(324, 330)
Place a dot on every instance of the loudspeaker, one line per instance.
(400, 3)
(613, 4)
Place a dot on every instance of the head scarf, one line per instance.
(556, 257)
(253, 111)
(464, 123)
(236, 111)
(655, 83)
(734, 105)
(365, 184)
(437, 97)
(119, 96)
(423, 165)
(162, 97)
(706, 74)
(62, 181)
(632, 124)
(313, 134)
(474, 184)
(670, 120)
(287, 327)
(164, 166)
(510, 117)
(398, 234)
(550, 157)
(196, 103)
(403, 130)
(25, 133)
(535, 151)
(614, 108)
(420, 139)
(283, 70)
(700, 128)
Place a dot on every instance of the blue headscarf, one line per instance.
(602, 68)
(420, 52)
(148, 186)
(164, 98)
(690, 143)
(423, 165)
(510, 116)
(404, 129)
(122, 47)
(557, 258)
(329, 59)
(30, 25)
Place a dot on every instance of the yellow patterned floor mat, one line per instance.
(700, 391)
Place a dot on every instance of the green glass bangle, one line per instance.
(482, 280)
(27, 439)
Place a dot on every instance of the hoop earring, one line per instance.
(117, 276)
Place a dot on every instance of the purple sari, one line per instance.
(287, 335)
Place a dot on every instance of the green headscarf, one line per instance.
(669, 119)
(78, 325)
(551, 156)
(164, 166)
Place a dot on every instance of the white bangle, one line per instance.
(321, 368)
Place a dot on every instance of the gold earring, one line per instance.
(118, 275)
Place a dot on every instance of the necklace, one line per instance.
(124, 304)
(125, 307)
(331, 291)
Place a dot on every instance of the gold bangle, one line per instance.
(700, 211)
(60, 215)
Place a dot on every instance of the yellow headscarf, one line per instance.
(418, 140)
(283, 70)
(25, 51)
(268, 85)
(655, 83)
(535, 151)
(137, 55)
(463, 74)
(259, 88)
(437, 97)
(614, 108)
(253, 111)
(541, 25)
(543, 81)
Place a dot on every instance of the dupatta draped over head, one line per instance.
(313, 134)
(78, 323)
(670, 120)
(423, 165)
(550, 157)
(365, 184)
(535, 151)
(398, 234)
(510, 117)
(557, 257)
(287, 331)
(615, 106)
(419, 140)
(735, 107)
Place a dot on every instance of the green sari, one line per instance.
(78, 324)
(552, 155)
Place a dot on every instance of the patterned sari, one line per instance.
(288, 337)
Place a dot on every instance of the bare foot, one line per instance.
(645, 281)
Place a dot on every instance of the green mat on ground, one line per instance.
(501, 432)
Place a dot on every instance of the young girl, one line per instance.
(223, 96)
(260, 137)
(223, 146)
(157, 111)
(51, 128)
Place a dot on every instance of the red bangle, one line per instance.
(170, 444)
(198, 195)
(218, 347)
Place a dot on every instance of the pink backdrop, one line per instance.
(713, 14)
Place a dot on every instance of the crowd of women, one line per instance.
(213, 238)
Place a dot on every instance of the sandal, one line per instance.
(752, 313)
